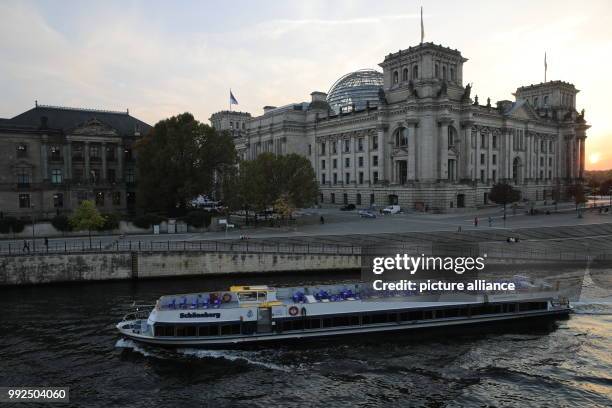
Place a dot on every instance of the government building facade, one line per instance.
(414, 135)
(53, 158)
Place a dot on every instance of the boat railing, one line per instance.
(140, 312)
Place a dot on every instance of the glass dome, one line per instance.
(356, 88)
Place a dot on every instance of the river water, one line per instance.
(65, 336)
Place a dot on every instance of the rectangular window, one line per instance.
(374, 142)
(482, 176)
(360, 161)
(58, 200)
(56, 176)
(23, 177)
(360, 144)
(332, 198)
(494, 159)
(95, 175)
(494, 176)
(110, 175)
(372, 199)
(345, 198)
(375, 177)
(335, 164)
(323, 181)
(361, 177)
(130, 177)
(24, 201)
(334, 147)
(550, 161)
(335, 178)
(347, 178)
(128, 155)
(116, 197)
(494, 141)
(323, 164)
(77, 175)
(347, 145)
(374, 160)
(358, 199)
(482, 141)
(482, 158)
(541, 161)
(347, 162)
(309, 150)
(322, 147)
(94, 153)
(130, 198)
(111, 153)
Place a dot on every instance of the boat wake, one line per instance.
(249, 357)
(594, 307)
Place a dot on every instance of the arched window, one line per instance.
(453, 78)
(415, 72)
(437, 71)
(452, 136)
(405, 74)
(444, 73)
(535, 102)
(516, 169)
(546, 100)
(395, 77)
(401, 137)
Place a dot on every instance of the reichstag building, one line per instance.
(414, 135)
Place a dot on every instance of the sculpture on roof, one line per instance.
(466, 94)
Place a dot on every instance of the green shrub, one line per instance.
(11, 224)
(5, 225)
(198, 219)
(111, 222)
(61, 223)
(145, 221)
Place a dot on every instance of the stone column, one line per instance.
(44, 158)
(443, 149)
(412, 148)
(68, 160)
(119, 162)
(582, 152)
(86, 156)
(354, 158)
(103, 153)
(382, 159)
(463, 167)
(476, 166)
(366, 158)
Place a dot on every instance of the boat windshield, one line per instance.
(253, 296)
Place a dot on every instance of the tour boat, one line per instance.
(255, 314)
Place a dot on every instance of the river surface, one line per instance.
(64, 335)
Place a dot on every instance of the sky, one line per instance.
(161, 58)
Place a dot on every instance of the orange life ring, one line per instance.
(293, 310)
(226, 297)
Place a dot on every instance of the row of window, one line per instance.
(57, 176)
(444, 73)
(55, 152)
(100, 198)
(358, 200)
(347, 178)
(347, 162)
(346, 146)
(362, 319)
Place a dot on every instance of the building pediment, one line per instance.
(94, 127)
(521, 110)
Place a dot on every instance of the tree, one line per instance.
(576, 191)
(284, 207)
(180, 159)
(86, 217)
(503, 193)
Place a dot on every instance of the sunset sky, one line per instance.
(163, 58)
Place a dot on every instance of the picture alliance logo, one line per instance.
(412, 264)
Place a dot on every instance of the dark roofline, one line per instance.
(541, 84)
(424, 46)
(126, 112)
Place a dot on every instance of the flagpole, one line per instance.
(545, 66)
(422, 28)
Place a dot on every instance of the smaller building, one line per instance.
(52, 158)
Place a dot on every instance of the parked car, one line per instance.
(348, 207)
(392, 209)
(367, 214)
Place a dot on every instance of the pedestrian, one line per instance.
(47, 243)
(476, 221)
(459, 228)
(322, 220)
(26, 246)
(490, 222)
